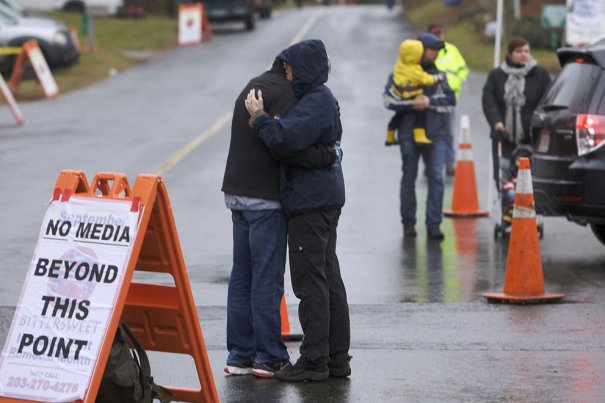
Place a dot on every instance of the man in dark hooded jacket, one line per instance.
(312, 200)
(251, 187)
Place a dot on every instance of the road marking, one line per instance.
(223, 120)
(185, 151)
(304, 30)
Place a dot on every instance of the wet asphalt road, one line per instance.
(420, 328)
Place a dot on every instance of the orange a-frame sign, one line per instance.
(163, 317)
(194, 26)
(33, 54)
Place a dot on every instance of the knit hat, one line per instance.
(430, 41)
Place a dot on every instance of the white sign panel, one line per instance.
(584, 23)
(45, 76)
(190, 24)
(67, 299)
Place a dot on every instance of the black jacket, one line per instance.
(494, 108)
(314, 120)
(251, 169)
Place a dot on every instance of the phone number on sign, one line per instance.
(41, 384)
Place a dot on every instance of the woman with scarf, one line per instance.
(510, 96)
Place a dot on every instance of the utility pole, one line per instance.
(498, 40)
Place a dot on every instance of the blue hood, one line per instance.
(309, 62)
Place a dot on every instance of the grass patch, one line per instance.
(426, 12)
(477, 50)
(479, 55)
(115, 38)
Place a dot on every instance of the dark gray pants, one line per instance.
(323, 310)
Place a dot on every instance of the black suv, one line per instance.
(568, 135)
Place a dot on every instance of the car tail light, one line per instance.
(590, 133)
(571, 198)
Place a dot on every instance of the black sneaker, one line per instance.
(239, 368)
(435, 233)
(340, 368)
(303, 371)
(268, 370)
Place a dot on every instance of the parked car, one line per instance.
(112, 6)
(21, 11)
(53, 37)
(568, 135)
(238, 10)
(16, 7)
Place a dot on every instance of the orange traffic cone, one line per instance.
(523, 280)
(464, 200)
(286, 334)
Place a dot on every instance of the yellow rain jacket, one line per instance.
(451, 61)
(408, 75)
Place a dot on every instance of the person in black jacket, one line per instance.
(510, 96)
(312, 199)
(251, 187)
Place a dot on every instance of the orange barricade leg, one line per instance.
(73, 31)
(207, 34)
(286, 334)
(523, 280)
(464, 201)
(17, 74)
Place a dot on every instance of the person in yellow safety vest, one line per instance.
(451, 61)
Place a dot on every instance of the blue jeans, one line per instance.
(434, 158)
(256, 287)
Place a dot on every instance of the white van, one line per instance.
(52, 35)
(111, 6)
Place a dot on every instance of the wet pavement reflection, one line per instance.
(457, 269)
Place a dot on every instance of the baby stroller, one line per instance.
(505, 167)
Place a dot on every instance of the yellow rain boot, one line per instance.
(420, 136)
(391, 140)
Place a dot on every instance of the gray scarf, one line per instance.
(514, 98)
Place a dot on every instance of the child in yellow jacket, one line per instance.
(408, 80)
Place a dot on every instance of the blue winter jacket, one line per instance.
(442, 101)
(314, 120)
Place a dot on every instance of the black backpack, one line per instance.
(127, 377)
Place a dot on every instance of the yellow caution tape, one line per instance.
(10, 51)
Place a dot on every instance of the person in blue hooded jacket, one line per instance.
(312, 200)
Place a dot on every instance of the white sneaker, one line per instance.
(238, 368)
